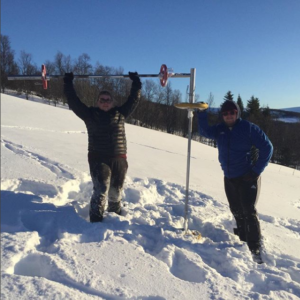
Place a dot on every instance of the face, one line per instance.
(229, 117)
(105, 102)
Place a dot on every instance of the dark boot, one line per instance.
(240, 232)
(254, 247)
(114, 207)
(96, 216)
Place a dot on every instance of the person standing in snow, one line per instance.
(107, 148)
(244, 152)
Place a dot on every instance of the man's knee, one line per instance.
(249, 212)
(115, 194)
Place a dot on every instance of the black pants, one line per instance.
(108, 176)
(242, 197)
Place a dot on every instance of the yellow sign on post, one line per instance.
(188, 105)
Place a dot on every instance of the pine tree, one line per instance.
(228, 96)
(240, 104)
(266, 111)
(253, 106)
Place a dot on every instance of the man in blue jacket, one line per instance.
(244, 152)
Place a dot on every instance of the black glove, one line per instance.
(201, 110)
(136, 82)
(68, 78)
(250, 176)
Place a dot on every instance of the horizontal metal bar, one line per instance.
(24, 77)
(34, 77)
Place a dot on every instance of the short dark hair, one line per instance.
(104, 92)
(107, 93)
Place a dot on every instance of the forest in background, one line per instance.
(156, 109)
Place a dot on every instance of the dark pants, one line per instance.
(242, 197)
(108, 176)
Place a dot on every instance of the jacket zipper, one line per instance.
(228, 151)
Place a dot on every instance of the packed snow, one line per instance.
(49, 250)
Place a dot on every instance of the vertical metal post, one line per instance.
(190, 117)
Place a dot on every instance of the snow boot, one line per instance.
(255, 250)
(240, 233)
(256, 256)
(114, 207)
(96, 216)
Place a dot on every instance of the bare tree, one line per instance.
(50, 67)
(82, 64)
(170, 98)
(7, 63)
(103, 83)
(63, 64)
(27, 67)
(211, 99)
(149, 90)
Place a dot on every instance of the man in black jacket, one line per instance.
(106, 143)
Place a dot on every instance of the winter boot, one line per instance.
(240, 233)
(114, 207)
(96, 216)
(256, 256)
(255, 252)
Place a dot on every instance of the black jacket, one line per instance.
(106, 130)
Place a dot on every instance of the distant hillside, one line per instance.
(214, 109)
(294, 109)
(288, 115)
(285, 115)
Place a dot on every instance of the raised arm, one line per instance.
(205, 130)
(79, 108)
(134, 97)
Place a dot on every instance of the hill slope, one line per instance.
(50, 251)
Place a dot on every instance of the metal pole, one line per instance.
(190, 117)
(36, 77)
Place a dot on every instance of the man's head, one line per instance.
(230, 112)
(105, 101)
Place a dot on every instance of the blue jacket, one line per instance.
(235, 146)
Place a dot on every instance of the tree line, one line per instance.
(156, 109)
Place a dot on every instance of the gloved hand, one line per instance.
(136, 82)
(250, 176)
(201, 110)
(68, 78)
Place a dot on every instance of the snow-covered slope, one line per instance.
(50, 251)
(294, 109)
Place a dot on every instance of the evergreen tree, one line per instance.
(253, 106)
(228, 96)
(240, 104)
(266, 111)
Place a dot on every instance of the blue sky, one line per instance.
(247, 47)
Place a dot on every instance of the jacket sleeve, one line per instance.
(79, 108)
(205, 130)
(265, 147)
(132, 102)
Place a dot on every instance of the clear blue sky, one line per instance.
(247, 47)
